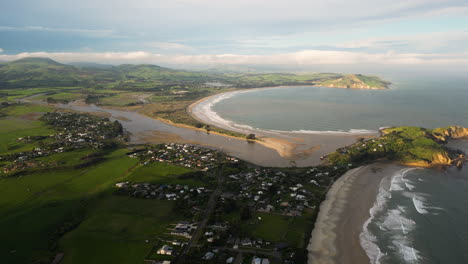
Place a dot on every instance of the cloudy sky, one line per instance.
(261, 32)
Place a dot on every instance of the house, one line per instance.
(246, 242)
(256, 260)
(208, 256)
(165, 250)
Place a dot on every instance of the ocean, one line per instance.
(420, 217)
(427, 101)
(420, 214)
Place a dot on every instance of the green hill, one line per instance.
(44, 72)
(37, 72)
(357, 81)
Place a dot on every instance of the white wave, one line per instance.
(367, 240)
(399, 183)
(419, 204)
(409, 185)
(396, 183)
(394, 220)
(204, 110)
(351, 131)
(408, 253)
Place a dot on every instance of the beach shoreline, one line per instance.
(339, 224)
(292, 145)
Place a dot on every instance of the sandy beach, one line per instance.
(336, 236)
(303, 149)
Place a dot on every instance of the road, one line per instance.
(198, 233)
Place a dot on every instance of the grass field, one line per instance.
(271, 227)
(38, 208)
(163, 173)
(20, 122)
(123, 99)
(116, 231)
(35, 206)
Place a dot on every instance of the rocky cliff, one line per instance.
(443, 134)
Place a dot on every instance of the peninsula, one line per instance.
(175, 191)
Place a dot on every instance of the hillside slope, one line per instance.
(357, 81)
(44, 72)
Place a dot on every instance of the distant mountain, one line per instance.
(35, 72)
(40, 72)
(44, 72)
(91, 65)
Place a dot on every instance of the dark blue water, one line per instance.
(421, 217)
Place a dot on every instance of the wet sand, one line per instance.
(272, 149)
(335, 238)
(144, 130)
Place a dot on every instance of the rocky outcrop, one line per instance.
(441, 159)
(443, 134)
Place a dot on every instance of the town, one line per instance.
(74, 131)
(244, 197)
(220, 209)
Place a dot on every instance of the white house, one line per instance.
(165, 250)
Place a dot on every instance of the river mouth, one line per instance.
(277, 150)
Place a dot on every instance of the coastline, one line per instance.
(336, 236)
(296, 146)
(284, 148)
(290, 148)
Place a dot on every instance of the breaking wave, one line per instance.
(394, 223)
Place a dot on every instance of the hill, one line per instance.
(413, 146)
(357, 81)
(37, 72)
(44, 72)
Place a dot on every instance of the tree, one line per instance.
(208, 129)
(245, 213)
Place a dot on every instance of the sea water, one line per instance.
(427, 101)
(420, 216)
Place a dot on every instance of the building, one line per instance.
(165, 250)
(208, 256)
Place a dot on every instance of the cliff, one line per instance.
(443, 134)
(412, 146)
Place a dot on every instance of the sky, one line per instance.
(295, 33)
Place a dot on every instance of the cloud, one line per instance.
(422, 42)
(169, 46)
(87, 32)
(301, 58)
(1, 50)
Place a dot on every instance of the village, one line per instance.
(184, 155)
(249, 190)
(75, 131)
(272, 191)
(203, 233)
